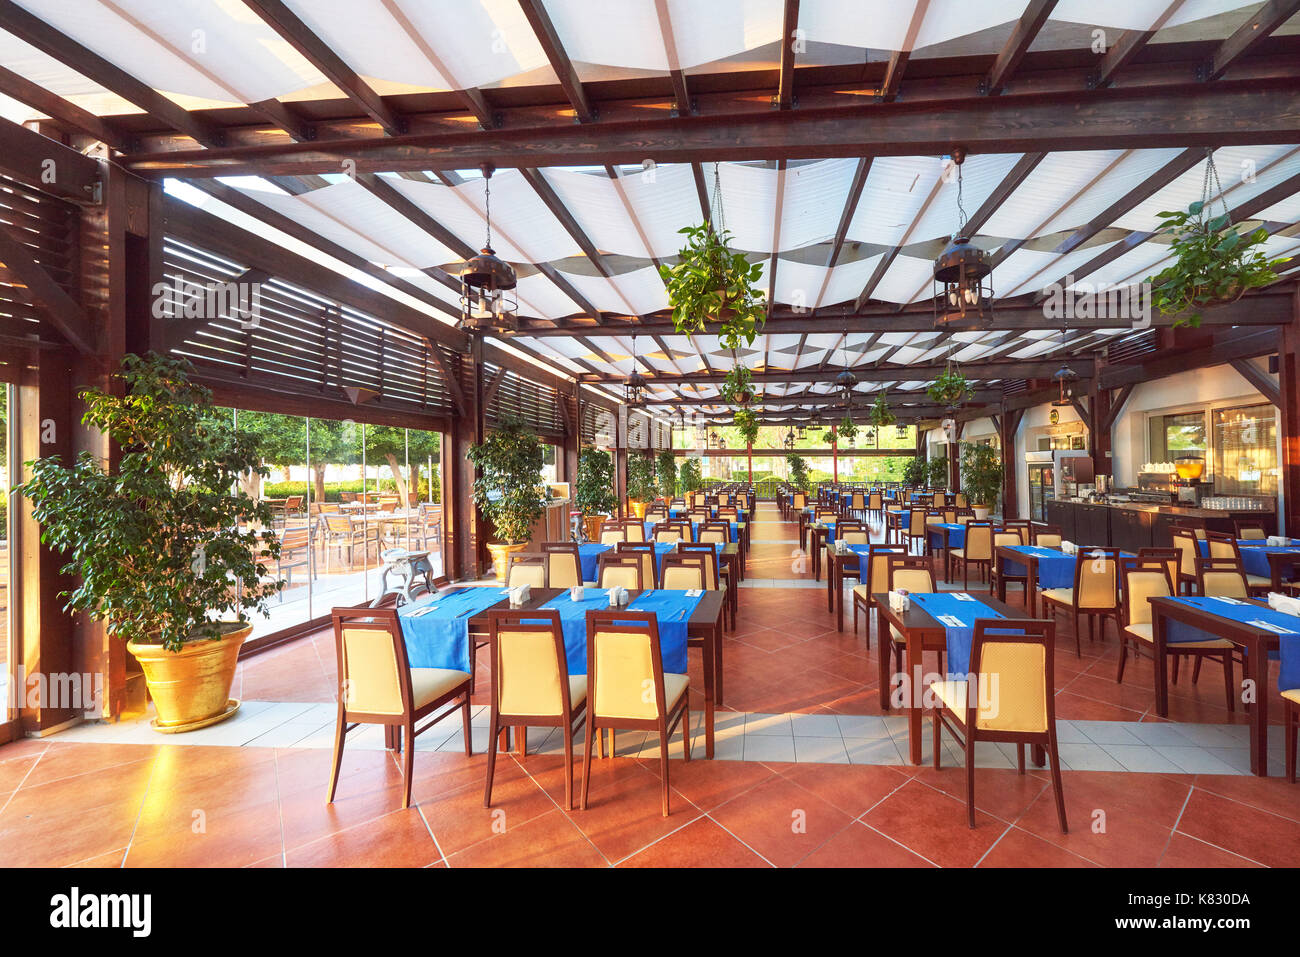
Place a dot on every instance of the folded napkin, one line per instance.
(899, 601)
(1284, 603)
(520, 594)
(1278, 541)
(617, 596)
(1069, 548)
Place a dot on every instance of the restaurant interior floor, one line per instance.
(807, 771)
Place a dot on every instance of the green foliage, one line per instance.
(158, 545)
(690, 477)
(936, 473)
(507, 487)
(881, 414)
(666, 473)
(736, 388)
(594, 493)
(950, 387)
(916, 471)
(746, 425)
(798, 466)
(981, 473)
(640, 477)
(711, 283)
(334, 490)
(848, 431)
(1213, 263)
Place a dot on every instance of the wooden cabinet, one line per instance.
(1061, 514)
(1131, 529)
(1092, 524)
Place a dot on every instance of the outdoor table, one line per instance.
(1250, 625)
(446, 635)
(945, 536)
(1046, 567)
(923, 630)
(895, 524)
(1274, 562)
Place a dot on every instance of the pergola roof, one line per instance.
(357, 124)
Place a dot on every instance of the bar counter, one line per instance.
(1134, 525)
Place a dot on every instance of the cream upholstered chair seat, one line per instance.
(427, 684)
(674, 687)
(953, 694)
(577, 689)
(1292, 694)
(1258, 581)
(1063, 595)
(1146, 631)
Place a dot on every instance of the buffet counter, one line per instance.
(1134, 525)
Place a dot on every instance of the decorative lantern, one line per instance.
(487, 298)
(963, 295)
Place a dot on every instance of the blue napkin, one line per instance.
(440, 638)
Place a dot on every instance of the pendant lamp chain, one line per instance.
(1211, 175)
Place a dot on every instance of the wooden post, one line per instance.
(749, 452)
(1099, 424)
(1009, 425)
(465, 530)
(1289, 384)
(835, 458)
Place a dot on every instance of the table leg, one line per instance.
(836, 571)
(708, 653)
(717, 667)
(882, 648)
(1160, 665)
(914, 710)
(1258, 665)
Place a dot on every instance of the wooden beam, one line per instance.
(1017, 45)
(1128, 46)
(66, 113)
(1257, 28)
(320, 55)
(859, 181)
(681, 95)
(1259, 380)
(544, 29)
(1223, 348)
(899, 58)
(789, 27)
(1117, 405)
(48, 164)
(922, 372)
(49, 298)
(1217, 114)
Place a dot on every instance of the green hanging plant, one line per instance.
(746, 423)
(711, 283)
(950, 387)
(847, 430)
(798, 467)
(881, 414)
(736, 388)
(1214, 263)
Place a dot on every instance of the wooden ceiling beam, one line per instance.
(546, 35)
(1257, 28)
(1017, 45)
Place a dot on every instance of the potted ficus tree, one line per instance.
(594, 493)
(936, 473)
(916, 471)
(508, 486)
(640, 483)
(690, 478)
(168, 549)
(981, 477)
(666, 473)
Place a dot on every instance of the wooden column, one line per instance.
(954, 459)
(1289, 385)
(1008, 426)
(1099, 423)
(620, 461)
(465, 530)
(835, 458)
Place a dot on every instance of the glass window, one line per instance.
(1175, 435)
(7, 630)
(1245, 451)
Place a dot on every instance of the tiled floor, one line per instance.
(808, 772)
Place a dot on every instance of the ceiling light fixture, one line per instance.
(963, 295)
(487, 298)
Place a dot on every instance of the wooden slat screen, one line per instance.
(522, 398)
(305, 343)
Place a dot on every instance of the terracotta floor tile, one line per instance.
(551, 840)
(232, 839)
(1241, 829)
(459, 819)
(65, 760)
(626, 815)
(781, 820)
(934, 825)
(1017, 848)
(854, 789)
(1267, 794)
(702, 843)
(1184, 851)
(1003, 793)
(397, 839)
(707, 784)
(861, 846)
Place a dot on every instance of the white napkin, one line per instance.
(899, 601)
(1069, 548)
(1277, 541)
(520, 594)
(694, 592)
(1284, 603)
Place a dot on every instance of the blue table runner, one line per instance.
(440, 638)
(672, 610)
(1177, 632)
(959, 636)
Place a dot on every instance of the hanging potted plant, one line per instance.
(507, 488)
(736, 388)
(594, 495)
(882, 415)
(798, 471)
(981, 477)
(847, 430)
(169, 550)
(709, 282)
(950, 388)
(640, 483)
(746, 424)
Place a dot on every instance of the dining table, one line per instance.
(444, 629)
(1277, 563)
(943, 537)
(941, 622)
(728, 559)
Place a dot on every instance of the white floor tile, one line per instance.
(820, 750)
(873, 751)
(768, 724)
(1196, 760)
(1088, 757)
(815, 726)
(1108, 732)
(769, 747)
(1140, 758)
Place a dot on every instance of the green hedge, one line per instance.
(332, 489)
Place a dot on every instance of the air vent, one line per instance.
(1014, 386)
(1132, 347)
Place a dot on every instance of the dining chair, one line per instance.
(1095, 593)
(713, 574)
(873, 572)
(428, 525)
(976, 550)
(1189, 551)
(619, 571)
(913, 573)
(611, 533)
(682, 572)
(563, 566)
(875, 504)
(1142, 582)
(1249, 529)
(1045, 536)
(378, 686)
(959, 500)
(524, 569)
(998, 577)
(645, 551)
(667, 532)
(714, 532)
(917, 529)
(624, 663)
(1224, 546)
(295, 552)
(348, 531)
(1022, 527)
(1013, 700)
(858, 505)
(531, 686)
(1172, 558)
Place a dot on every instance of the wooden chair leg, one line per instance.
(339, 733)
(1054, 757)
(1196, 669)
(1020, 756)
(493, 734)
(464, 720)
(686, 731)
(586, 761)
(408, 764)
(663, 766)
(568, 764)
(1123, 657)
(1291, 717)
(1174, 669)
(970, 777)
(1078, 645)
(938, 732)
(1228, 682)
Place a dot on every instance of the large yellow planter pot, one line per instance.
(501, 552)
(592, 524)
(638, 508)
(191, 687)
